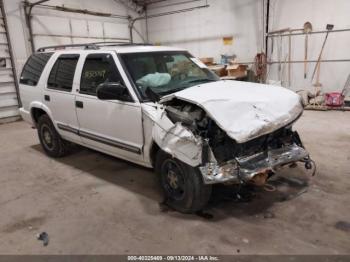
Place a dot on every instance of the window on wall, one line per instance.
(33, 68)
(98, 69)
(62, 73)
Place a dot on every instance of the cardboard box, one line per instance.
(218, 69)
(237, 71)
(207, 60)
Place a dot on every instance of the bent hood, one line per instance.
(244, 110)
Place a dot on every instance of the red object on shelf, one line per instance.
(335, 99)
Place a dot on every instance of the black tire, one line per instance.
(189, 194)
(51, 141)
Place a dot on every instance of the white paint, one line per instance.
(172, 138)
(244, 110)
(177, 141)
(198, 62)
(116, 121)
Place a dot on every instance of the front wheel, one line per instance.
(182, 184)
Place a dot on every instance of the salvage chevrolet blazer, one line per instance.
(162, 108)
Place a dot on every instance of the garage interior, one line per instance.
(91, 203)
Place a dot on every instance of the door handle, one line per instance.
(47, 97)
(79, 104)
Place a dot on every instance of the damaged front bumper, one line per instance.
(244, 169)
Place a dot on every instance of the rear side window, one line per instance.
(33, 68)
(62, 73)
(98, 69)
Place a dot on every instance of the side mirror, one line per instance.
(113, 91)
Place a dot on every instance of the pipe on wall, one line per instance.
(267, 25)
(28, 8)
(132, 21)
(281, 33)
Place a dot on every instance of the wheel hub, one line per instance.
(47, 137)
(172, 178)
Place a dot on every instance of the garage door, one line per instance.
(8, 93)
(76, 26)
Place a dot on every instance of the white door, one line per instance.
(59, 95)
(114, 127)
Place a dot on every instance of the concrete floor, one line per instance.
(90, 203)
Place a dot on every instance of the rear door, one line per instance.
(59, 95)
(114, 127)
(30, 77)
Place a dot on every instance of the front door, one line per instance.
(114, 127)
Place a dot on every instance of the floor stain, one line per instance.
(32, 223)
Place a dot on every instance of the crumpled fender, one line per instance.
(175, 139)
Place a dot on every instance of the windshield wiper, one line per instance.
(186, 84)
(184, 87)
(200, 80)
(171, 91)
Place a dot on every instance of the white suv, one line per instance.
(160, 107)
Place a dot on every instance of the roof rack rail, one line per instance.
(103, 43)
(91, 46)
(119, 43)
(57, 47)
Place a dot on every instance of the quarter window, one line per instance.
(98, 69)
(62, 73)
(33, 68)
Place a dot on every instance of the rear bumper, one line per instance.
(26, 116)
(245, 169)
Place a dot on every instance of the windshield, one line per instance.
(166, 72)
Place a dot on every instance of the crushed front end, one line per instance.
(256, 160)
(223, 160)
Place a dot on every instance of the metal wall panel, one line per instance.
(8, 92)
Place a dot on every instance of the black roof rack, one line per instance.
(58, 47)
(91, 46)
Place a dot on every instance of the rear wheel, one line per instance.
(51, 141)
(182, 184)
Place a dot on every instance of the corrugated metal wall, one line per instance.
(8, 94)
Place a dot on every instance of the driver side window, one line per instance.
(98, 69)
